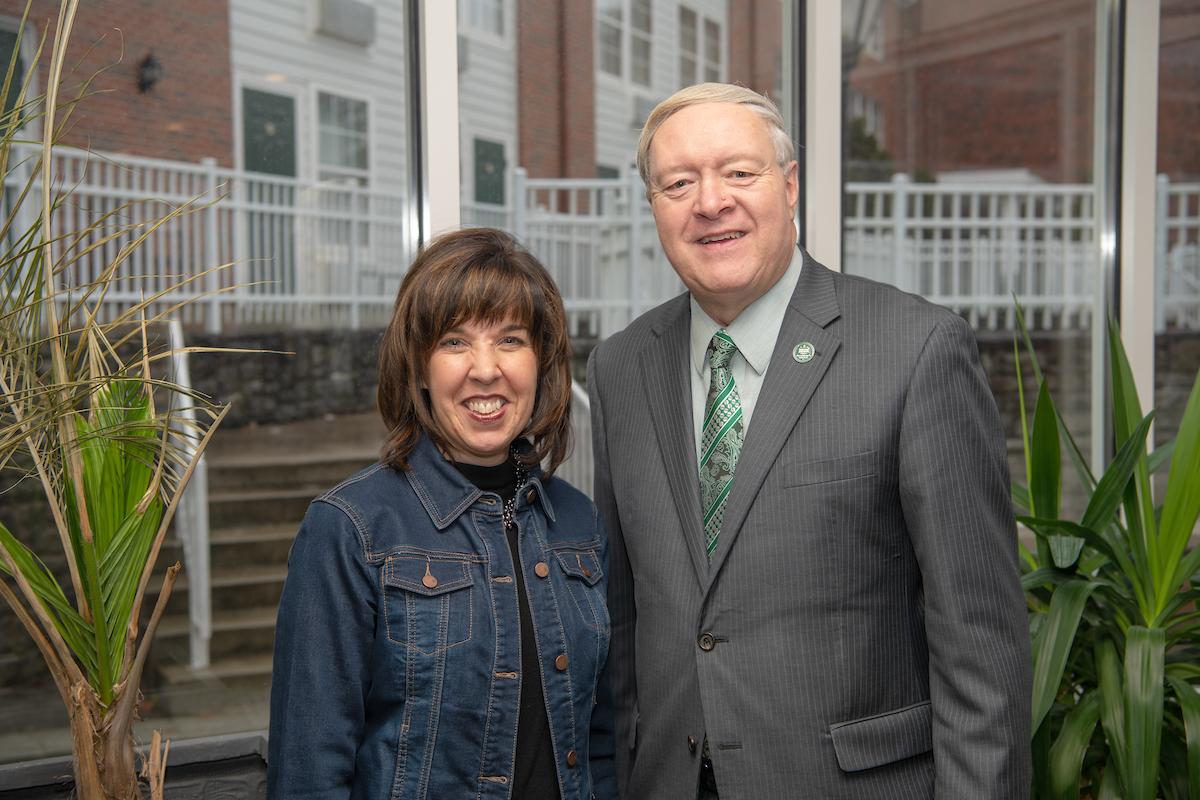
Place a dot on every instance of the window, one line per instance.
(269, 132)
(489, 172)
(343, 140)
(609, 31)
(689, 46)
(613, 36)
(9, 41)
(483, 16)
(640, 39)
(712, 50)
(698, 60)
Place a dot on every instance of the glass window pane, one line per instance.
(640, 63)
(969, 178)
(261, 112)
(1177, 264)
(569, 136)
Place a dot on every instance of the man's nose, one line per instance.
(711, 197)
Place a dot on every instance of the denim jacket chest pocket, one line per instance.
(428, 600)
(584, 574)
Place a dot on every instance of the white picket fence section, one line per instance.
(330, 255)
(317, 255)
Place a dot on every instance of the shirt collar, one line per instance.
(446, 493)
(755, 329)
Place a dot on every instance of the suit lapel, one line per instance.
(786, 391)
(665, 375)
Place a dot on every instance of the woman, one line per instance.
(443, 627)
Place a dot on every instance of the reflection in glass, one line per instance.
(293, 130)
(1177, 210)
(968, 174)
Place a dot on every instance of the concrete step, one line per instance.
(253, 586)
(221, 671)
(267, 470)
(240, 508)
(235, 632)
(232, 547)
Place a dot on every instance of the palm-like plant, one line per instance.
(86, 414)
(1112, 603)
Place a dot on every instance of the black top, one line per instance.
(535, 776)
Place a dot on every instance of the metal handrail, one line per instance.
(191, 519)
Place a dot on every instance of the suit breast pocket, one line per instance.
(830, 470)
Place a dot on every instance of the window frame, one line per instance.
(319, 168)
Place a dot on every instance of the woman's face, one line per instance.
(482, 382)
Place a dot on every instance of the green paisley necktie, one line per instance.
(720, 439)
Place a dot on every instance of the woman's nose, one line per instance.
(484, 366)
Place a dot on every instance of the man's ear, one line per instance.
(791, 179)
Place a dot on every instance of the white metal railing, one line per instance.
(191, 518)
(577, 470)
(325, 255)
(333, 256)
(970, 247)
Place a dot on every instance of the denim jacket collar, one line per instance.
(445, 493)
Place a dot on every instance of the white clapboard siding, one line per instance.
(617, 129)
(274, 48)
(487, 96)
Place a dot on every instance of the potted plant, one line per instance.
(1111, 600)
(89, 413)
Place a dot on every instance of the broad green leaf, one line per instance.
(1053, 645)
(1044, 576)
(1189, 707)
(1045, 477)
(1109, 788)
(1020, 496)
(1182, 504)
(1144, 651)
(1066, 755)
(1112, 716)
(1106, 499)
(73, 628)
(1065, 550)
(1127, 413)
(1160, 457)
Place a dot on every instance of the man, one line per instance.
(814, 590)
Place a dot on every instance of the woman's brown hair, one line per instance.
(474, 275)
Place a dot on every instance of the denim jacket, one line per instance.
(398, 649)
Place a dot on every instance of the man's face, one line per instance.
(723, 207)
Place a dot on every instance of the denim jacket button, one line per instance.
(541, 569)
(530, 496)
(560, 663)
(572, 758)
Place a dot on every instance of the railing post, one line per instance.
(633, 187)
(520, 198)
(360, 214)
(192, 521)
(1162, 265)
(212, 305)
(900, 183)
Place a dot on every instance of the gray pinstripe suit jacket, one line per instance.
(870, 631)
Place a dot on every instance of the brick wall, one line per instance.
(1014, 87)
(755, 43)
(187, 115)
(556, 89)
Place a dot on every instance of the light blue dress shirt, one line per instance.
(754, 332)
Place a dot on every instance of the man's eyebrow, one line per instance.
(658, 173)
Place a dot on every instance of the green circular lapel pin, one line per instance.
(804, 352)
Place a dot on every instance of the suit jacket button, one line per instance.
(572, 758)
(541, 569)
(691, 744)
(706, 642)
(560, 663)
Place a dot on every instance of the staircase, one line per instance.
(261, 480)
